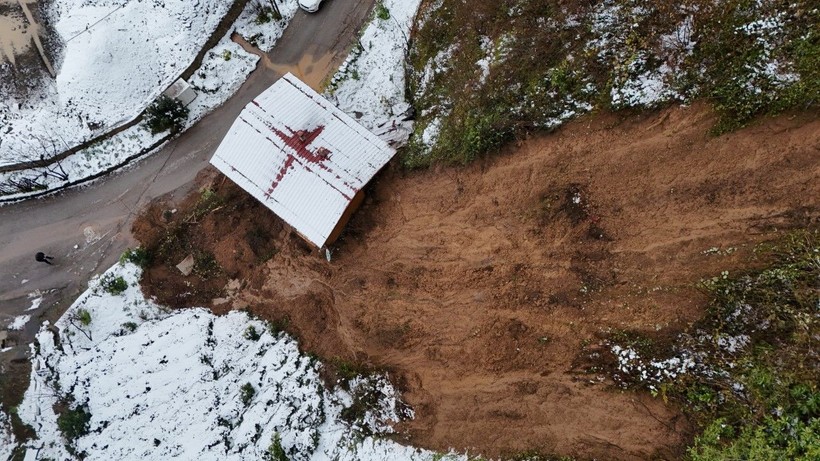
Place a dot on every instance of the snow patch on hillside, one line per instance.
(369, 85)
(188, 384)
(7, 442)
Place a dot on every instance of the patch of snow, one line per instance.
(430, 134)
(370, 83)
(647, 88)
(653, 371)
(163, 384)
(7, 440)
(19, 322)
(438, 64)
(733, 344)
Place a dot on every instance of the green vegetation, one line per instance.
(747, 41)
(251, 334)
(275, 451)
(382, 12)
(776, 412)
(138, 256)
(246, 393)
(113, 285)
(277, 326)
(755, 391)
(83, 316)
(205, 265)
(226, 55)
(482, 73)
(73, 423)
(166, 114)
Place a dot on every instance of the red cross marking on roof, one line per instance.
(299, 141)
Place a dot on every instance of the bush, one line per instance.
(382, 12)
(114, 285)
(166, 114)
(251, 334)
(275, 451)
(84, 317)
(74, 423)
(246, 393)
(138, 256)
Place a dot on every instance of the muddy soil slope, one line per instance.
(480, 287)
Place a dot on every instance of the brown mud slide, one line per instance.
(479, 287)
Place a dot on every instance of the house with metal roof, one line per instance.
(302, 157)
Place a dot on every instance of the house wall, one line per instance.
(340, 226)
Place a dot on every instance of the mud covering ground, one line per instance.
(481, 287)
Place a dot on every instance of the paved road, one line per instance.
(86, 229)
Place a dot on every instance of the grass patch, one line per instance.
(486, 72)
(754, 389)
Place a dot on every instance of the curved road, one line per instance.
(87, 228)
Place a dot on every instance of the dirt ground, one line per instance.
(480, 287)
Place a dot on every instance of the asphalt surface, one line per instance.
(87, 228)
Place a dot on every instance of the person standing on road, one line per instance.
(41, 257)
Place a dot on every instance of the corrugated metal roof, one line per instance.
(301, 156)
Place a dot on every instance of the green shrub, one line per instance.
(251, 334)
(129, 326)
(84, 317)
(275, 450)
(114, 285)
(246, 393)
(226, 55)
(138, 256)
(166, 114)
(382, 12)
(73, 423)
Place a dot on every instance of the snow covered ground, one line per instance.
(118, 56)
(190, 385)
(369, 85)
(223, 70)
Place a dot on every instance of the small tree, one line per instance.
(246, 393)
(74, 423)
(166, 114)
(275, 451)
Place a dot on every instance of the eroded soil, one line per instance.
(480, 287)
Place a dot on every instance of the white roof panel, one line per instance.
(301, 156)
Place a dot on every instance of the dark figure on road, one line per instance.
(41, 257)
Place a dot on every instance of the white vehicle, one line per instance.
(311, 6)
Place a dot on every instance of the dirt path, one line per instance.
(88, 228)
(481, 286)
